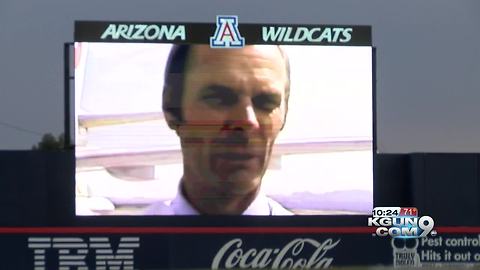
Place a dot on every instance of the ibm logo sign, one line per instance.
(73, 251)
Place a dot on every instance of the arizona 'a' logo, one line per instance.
(227, 34)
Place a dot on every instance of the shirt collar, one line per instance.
(259, 207)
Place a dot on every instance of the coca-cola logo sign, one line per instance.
(300, 253)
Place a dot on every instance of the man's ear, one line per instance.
(171, 112)
(285, 116)
(172, 121)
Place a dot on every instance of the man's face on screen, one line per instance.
(233, 109)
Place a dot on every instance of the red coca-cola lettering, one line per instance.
(293, 255)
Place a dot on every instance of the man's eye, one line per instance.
(218, 96)
(219, 99)
(266, 103)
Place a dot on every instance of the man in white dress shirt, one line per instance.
(227, 106)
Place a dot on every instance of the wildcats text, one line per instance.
(306, 34)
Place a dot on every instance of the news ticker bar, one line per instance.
(216, 230)
(200, 33)
(232, 247)
(140, 248)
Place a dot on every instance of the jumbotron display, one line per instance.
(223, 119)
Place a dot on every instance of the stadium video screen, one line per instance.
(223, 118)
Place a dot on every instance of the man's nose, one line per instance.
(244, 116)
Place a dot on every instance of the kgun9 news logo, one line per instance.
(401, 222)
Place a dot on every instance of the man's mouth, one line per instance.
(236, 156)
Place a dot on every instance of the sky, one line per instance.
(428, 60)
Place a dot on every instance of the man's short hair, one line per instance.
(174, 79)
